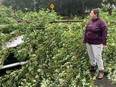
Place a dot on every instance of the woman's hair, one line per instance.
(96, 11)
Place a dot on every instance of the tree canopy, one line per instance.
(62, 7)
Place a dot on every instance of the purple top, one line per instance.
(96, 32)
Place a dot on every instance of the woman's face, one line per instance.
(92, 15)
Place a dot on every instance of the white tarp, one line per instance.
(17, 41)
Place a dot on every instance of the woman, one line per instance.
(95, 37)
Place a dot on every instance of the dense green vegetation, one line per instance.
(55, 53)
(62, 7)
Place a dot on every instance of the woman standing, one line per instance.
(95, 37)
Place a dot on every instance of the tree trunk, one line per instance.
(83, 9)
(110, 11)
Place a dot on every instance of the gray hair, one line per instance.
(96, 11)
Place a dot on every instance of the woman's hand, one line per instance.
(104, 46)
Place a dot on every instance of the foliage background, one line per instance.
(63, 7)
